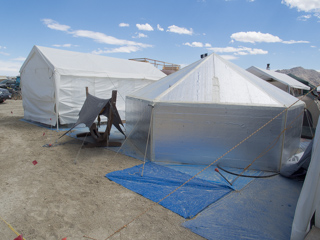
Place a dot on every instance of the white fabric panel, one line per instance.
(72, 96)
(235, 88)
(274, 92)
(72, 93)
(157, 88)
(309, 199)
(38, 92)
(272, 75)
(91, 65)
(194, 87)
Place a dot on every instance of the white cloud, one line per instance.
(304, 17)
(140, 35)
(102, 38)
(55, 25)
(253, 37)
(250, 0)
(317, 15)
(193, 44)
(303, 5)
(293, 42)
(256, 51)
(257, 37)
(95, 36)
(225, 50)
(4, 53)
(67, 45)
(3, 47)
(229, 57)
(242, 53)
(124, 49)
(124, 25)
(197, 44)
(160, 28)
(239, 51)
(144, 27)
(179, 30)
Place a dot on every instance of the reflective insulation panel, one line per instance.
(293, 131)
(194, 133)
(138, 114)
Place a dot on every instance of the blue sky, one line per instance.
(284, 33)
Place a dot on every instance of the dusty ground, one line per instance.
(57, 199)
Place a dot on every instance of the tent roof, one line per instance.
(86, 64)
(214, 80)
(280, 77)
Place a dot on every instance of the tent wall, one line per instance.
(138, 123)
(38, 90)
(283, 87)
(312, 106)
(293, 131)
(309, 199)
(280, 77)
(188, 133)
(72, 93)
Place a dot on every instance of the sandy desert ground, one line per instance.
(57, 199)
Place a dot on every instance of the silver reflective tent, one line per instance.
(200, 112)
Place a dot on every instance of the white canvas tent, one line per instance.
(282, 81)
(295, 88)
(309, 199)
(200, 112)
(53, 82)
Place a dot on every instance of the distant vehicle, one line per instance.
(8, 84)
(4, 95)
(18, 81)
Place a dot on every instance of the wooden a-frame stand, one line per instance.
(102, 138)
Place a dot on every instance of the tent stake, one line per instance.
(217, 170)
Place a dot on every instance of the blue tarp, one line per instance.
(159, 181)
(262, 210)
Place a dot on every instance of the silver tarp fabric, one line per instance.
(92, 107)
(90, 110)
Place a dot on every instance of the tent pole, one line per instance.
(146, 150)
(283, 139)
